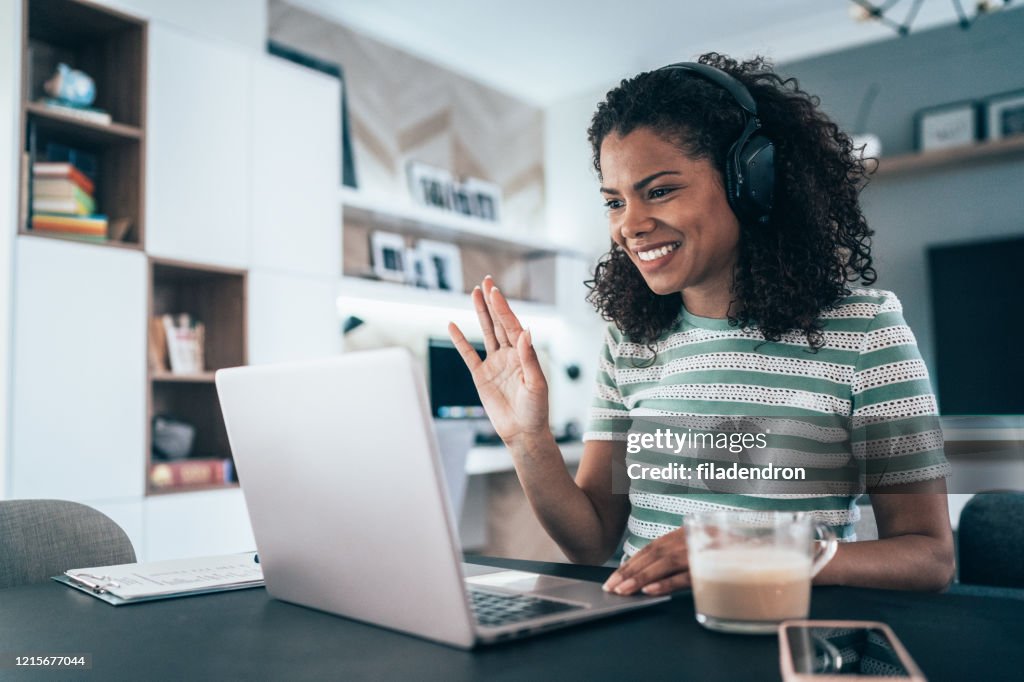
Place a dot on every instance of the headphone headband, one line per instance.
(738, 91)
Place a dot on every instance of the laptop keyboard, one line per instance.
(493, 609)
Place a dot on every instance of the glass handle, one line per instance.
(827, 544)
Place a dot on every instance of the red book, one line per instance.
(185, 473)
(88, 225)
(62, 169)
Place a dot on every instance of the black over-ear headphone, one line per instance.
(750, 163)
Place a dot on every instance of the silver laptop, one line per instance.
(340, 471)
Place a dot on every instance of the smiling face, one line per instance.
(669, 213)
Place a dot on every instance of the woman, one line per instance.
(721, 302)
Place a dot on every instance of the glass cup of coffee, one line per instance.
(752, 570)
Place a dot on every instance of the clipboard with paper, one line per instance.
(148, 581)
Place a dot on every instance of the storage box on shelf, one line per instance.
(216, 298)
(110, 47)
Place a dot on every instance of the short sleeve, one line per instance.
(895, 421)
(609, 417)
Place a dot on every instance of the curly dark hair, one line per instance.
(789, 270)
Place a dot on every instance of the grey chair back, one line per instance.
(43, 538)
(990, 542)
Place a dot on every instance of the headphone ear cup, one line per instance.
(753, 179)
(732, 183)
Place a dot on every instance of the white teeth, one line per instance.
(657, 253)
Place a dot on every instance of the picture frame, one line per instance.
(389, 257)
(417, 274)
(442, 265)
(484, 199)
(1004, 115)
(348, 167)
(462, 200)
(430, 185)
(946, 126)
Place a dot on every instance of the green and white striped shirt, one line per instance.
(868, 376)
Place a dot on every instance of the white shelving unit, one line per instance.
(435, 223)
(241, 175)
(79, 405)
(528, 261)
(357, 288)
(198, 205)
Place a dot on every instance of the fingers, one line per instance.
(501, 327)
(533, 376)
(489, 294)
(653, 573)
(466, 350)
(486, 323)
(658, 566)
(506, 320)
(667, 585)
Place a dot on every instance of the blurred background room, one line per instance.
(190, 185)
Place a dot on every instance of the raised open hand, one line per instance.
(510, 381)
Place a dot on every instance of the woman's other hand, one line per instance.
(660, 567)
(510, 382)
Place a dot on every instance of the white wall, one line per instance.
(913, 212)
(575, 215)
(243, 22)
(576, 218)
(10, 67)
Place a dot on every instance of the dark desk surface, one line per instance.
(246, 634)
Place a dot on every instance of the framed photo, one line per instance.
(348, 167)
(389, 261)
(430, 186)
(1004, 115)
(946, 126)
(442, 265)
(462, 200)
(484, 199)
(417, 273)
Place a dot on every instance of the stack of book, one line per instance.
(190, 472)
(176, 343)
(63, 203)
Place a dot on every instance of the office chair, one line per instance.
(43, 538)
(991, 540)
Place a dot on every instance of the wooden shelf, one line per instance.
(134, 246)
(111, 48)
(89, 131)
(167, 377)
(966, 155)
(106, 44)
(215, 296)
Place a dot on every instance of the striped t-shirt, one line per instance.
(868, 377)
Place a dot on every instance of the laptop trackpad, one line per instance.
(535, 583)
